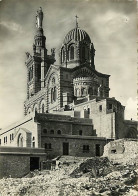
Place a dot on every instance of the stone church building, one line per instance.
(68, 110)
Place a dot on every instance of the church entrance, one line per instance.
(97, 147)
(65, 148)
(34, 163)
(20, 140)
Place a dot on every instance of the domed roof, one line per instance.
(77, 34)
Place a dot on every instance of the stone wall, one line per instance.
(75, 143)
(15, 162)
(14, 165)
(108, 122)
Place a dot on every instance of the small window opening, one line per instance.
(59, 132)
(80, 132)
(100, 108)
(44, 130)
(52, 132)
(110, 106)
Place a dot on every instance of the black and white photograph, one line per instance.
(68, 98)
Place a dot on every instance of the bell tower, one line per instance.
(38, 63)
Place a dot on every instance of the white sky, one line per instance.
(110, 24)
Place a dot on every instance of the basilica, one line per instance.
(68, 110)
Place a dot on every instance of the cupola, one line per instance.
(77, 48)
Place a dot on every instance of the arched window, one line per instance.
(52, 132)
(53, 80)
(62, 56)
(59, 132)
(43, 108)
(71, 53)
(51, 95)
(54, 94)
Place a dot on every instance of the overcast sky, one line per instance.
(110, 24)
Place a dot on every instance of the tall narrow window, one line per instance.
(33, 142)
(29, 75)
(43, 108)
(54, 94)
(71, 53)
(62, 56)
(51, 95)
(100, 108)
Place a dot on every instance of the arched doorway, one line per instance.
(132, 133)
(20, 140)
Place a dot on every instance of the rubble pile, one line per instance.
(123, 151)
(97, 166)
(95, 177)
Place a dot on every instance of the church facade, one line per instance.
(68, 109)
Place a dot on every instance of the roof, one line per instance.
(77, 34)
(88, 66)
(39, 117)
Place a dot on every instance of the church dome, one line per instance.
(77, 34)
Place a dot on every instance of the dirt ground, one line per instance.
(76, 177)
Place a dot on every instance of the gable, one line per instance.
(53, 70)
(84, 71)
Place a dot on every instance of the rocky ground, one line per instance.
(76, 177)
